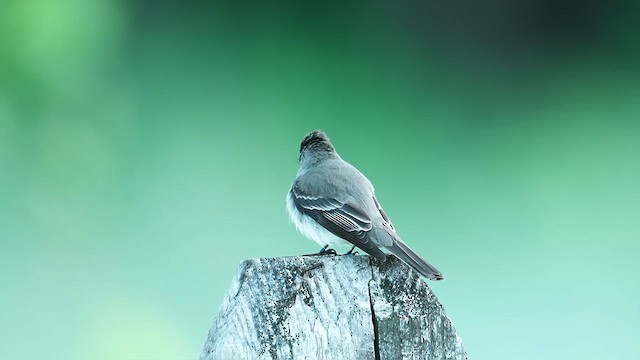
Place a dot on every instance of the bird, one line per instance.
(333, 203)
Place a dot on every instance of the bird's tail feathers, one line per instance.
(402, 251)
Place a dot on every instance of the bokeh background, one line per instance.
(146, 148)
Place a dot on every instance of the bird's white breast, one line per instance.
(310, 228)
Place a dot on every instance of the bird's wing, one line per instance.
(386, 221)
(341, 218)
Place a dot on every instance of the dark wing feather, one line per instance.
(341, 219)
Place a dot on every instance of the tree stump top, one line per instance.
(330, 307)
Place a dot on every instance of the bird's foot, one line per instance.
(351, 252)
(324, 251)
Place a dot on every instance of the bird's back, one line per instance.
(346, 183)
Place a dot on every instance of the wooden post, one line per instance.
(330, 307)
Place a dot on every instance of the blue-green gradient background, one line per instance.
(146, 148)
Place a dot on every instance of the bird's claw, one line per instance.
(324, 251)
(351, 252)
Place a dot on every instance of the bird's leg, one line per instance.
(351, 252)
(326, 251)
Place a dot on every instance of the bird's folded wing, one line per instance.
(340, 218)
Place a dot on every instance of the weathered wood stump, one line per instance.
(330, 307)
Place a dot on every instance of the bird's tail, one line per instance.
(404, 252)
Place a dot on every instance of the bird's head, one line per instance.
(316, 143)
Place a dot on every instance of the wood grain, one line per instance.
(330, 307)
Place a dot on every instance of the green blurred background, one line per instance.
(146, 148)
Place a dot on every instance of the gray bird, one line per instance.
(333, 203)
